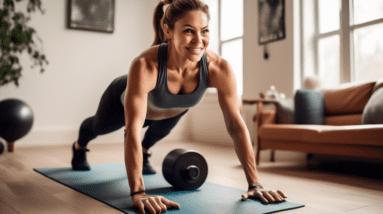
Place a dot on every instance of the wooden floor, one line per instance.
(322, 189)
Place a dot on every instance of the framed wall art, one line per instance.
(94, 15)
(271, 20)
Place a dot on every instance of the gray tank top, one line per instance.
(161, 98)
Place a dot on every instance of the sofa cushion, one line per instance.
(285, 111)
(309, 107)
(343, 120)
(373, 112)
(370, 135)
(348, 98)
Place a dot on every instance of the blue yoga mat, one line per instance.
(108, 183)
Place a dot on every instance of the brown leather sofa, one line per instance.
(342, 132)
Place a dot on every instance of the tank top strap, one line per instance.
(205, 71)
(162, 64)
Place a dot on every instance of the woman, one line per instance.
(164, 82)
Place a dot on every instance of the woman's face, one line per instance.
(190, 35)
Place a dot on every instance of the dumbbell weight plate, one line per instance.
(2, 146)
(185, 169)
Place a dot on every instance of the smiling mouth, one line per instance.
(197, 50)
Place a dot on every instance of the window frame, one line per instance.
(222, 42)
(345, 32)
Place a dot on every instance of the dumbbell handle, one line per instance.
(192, 172)
(11, 146)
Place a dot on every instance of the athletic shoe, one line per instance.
(79, 162)
(147, 169)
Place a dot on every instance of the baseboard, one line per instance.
(283, 156)
(41, 137)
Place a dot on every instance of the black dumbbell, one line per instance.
(185, 169)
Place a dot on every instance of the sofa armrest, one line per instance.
(267, 117)
(260, 103)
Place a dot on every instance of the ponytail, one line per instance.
(157, 23)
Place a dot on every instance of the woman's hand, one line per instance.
(264, 194)
(154, 203)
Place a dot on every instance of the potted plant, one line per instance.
(16, 36)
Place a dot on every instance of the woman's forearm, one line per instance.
(133, 160)
(245, 153)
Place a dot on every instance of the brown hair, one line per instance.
(174, 12)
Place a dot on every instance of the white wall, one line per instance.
(81, 66)
(278, 70)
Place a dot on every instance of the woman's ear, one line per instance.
(167, 32)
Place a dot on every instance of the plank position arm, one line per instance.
(142, 79)
(223, 78)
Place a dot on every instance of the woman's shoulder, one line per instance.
(147, 59)
(220, 72)
(144, 69)
(215, 63)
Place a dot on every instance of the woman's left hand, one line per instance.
(265, 195)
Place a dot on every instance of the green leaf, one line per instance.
(36, 55)
(4, 13)
(16, 81)
(9, 4)
(13, 59)
(4, 27)
(16, 17)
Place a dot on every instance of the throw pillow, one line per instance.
(309, 107)
(373, 111)
(285, 111)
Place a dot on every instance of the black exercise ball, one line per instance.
(16, 119)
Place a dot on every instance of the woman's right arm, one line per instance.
(142, 79)
(138, 87)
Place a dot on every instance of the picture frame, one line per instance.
(92, 15)
(272, 26)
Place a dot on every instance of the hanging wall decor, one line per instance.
(94, 15)
(271, 20)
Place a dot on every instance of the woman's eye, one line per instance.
(205, 31)
(188, 31)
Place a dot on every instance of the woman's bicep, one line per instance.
(227, 88)
(138, 86)
(225, 82)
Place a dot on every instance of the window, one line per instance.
(345, 41)
(226, 32)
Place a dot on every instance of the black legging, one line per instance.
(110, 117)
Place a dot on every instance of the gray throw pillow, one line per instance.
(285, 111)
(309, 107)
(373, 111)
